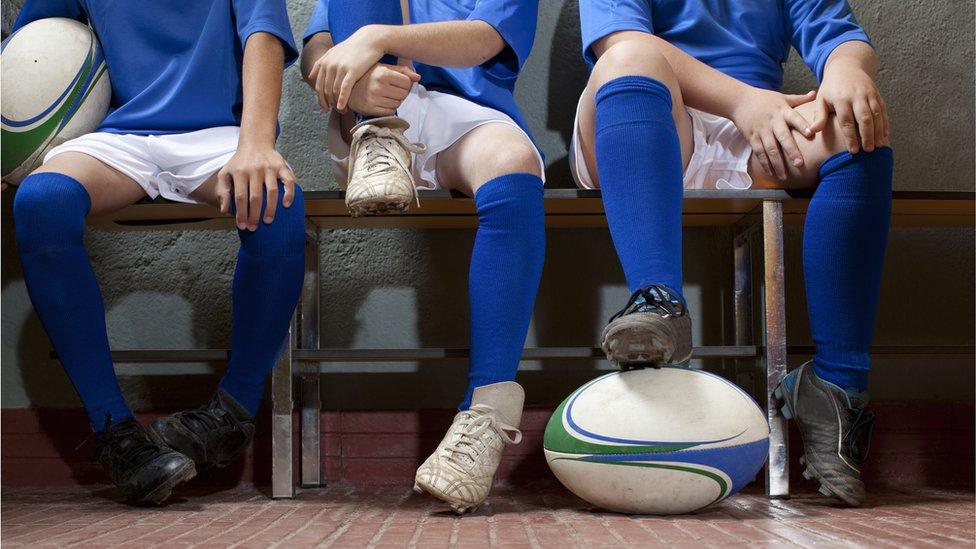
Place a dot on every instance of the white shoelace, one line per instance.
(381, 155)
(475, 421)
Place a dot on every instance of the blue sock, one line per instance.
(267, 283)
(639, 163)
(348, 16)
(844, 241)
(506, 266)
(49, 218)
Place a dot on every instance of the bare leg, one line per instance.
(108, 188)
(631, 58)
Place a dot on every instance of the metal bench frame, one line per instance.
(754, 216)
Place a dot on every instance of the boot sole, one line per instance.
(458, 507)
(645, 339)
(810, 472)
(377, 206)
(162, 492)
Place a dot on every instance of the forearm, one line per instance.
(442, 44)
(702, 87)
(854, 54)
(262, 70)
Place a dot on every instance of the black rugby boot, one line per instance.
(213, 435)
(654, 329)
(836, 429)
(144, 470)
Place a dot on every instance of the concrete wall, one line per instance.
(408, 288)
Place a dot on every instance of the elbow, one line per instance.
(492, 45)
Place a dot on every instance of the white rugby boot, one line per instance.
(380, 176)
(461, 469)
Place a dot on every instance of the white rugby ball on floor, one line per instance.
(657, 441)
(54, 88)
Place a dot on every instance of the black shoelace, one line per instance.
(125, 443)
(656, 298)
(858, 437)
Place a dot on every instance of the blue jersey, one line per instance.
(746, 39)
(490, 84)
(175, 65)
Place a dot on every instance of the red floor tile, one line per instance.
(342, 516)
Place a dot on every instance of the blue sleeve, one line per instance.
(42, 9)
(601, 18)
(268, 16)
(515, 21)
(319, 21)
(818, 26)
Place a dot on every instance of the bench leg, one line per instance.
(777, 469)
(311, 453)
(282, 479)
(742, 292)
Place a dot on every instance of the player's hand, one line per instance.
(382, 89)
(767, 119)
(250, 176)
(338, 70)
(851, 94)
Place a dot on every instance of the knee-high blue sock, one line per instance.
(506, 265)
(348, 16)
(844, 240)
(267, 283)
(638, 158)
(49, 217)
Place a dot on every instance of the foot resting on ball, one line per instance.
(654, 329)
(213, 435)
(144, 470)
(836, 429)
(461, 469)
(380, 175)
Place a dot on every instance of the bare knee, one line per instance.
(509, 152)
(633, 57)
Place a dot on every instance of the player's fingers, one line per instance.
(240, 201)
(821, 113)
(411, 74)
(774, 155)
(345, 89)
(877, 113)
(255, 195)
(329, 86)
(314, 73)
(865, 124)
(760, 153)
(224, 185)
(271, 195)
(887, 119)
(795, 100)
(320, 83)
(399, 80)
(288, 180)
(798, 122)
(848, 126)
(786, 142)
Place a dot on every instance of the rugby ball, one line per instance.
(657, 441)
(55, 87)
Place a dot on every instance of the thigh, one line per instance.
(815, 151)
(586, 130)
(488, 151)
(109, 189)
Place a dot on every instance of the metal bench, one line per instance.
(754, 218)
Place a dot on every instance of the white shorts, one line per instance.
(720, 160)
(437, 120)
(169, 165)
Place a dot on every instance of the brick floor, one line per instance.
(537, 517)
